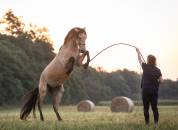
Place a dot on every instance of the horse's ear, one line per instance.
(84, 28)
(76, 29)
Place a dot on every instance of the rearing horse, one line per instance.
(71, 53)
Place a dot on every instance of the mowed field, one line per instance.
(101, 119)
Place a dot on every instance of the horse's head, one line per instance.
(77, 37)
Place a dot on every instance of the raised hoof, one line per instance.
(85, 66)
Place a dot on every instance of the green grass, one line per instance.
(101, 119)
(139, 103)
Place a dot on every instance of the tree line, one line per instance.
(25, 50)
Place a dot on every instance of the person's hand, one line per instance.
(138, 51)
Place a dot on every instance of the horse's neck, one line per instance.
(67, 51)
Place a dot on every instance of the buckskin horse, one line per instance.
(72, 52)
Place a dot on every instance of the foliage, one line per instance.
(13, 25)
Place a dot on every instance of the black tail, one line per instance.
(29, 102)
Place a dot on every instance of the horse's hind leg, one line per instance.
(56, 97)
(34, 114)
(40, 110)
(42, 93)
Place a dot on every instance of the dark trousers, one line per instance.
(150, 98)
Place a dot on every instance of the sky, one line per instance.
(151, 25)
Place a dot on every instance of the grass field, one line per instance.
(101, 119)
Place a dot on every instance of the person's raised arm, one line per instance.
(140, 59)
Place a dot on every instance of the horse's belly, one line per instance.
(56, 78)
(55, 73)
(62, 78)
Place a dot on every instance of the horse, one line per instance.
(71, 53)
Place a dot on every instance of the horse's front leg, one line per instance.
(88, 60)
(81, 57)
(70, 65)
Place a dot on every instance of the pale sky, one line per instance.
(151, 25)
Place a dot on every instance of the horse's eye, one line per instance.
(80, 35)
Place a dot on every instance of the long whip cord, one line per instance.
(126, 45)
(112, 46)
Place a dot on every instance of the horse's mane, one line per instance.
(73, 35)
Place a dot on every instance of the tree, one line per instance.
(37, 33)
(22, 58)
(13, 24)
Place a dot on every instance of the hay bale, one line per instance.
(122, 104)
(85, 106)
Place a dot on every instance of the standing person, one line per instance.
(151, 79)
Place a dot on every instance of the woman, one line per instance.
(151, 79)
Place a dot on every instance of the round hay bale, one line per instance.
(85, 106)
(122, 104)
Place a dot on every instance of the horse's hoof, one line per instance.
(42, 120)
(60, 120)
(85, 66)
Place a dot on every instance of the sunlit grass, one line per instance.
(101, 119)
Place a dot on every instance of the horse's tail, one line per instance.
(29, 103)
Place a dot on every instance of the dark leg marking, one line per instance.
(34, 114)
(56, 97)
(39, 108)
(55, 107)
(88, 60)
(70, 65)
